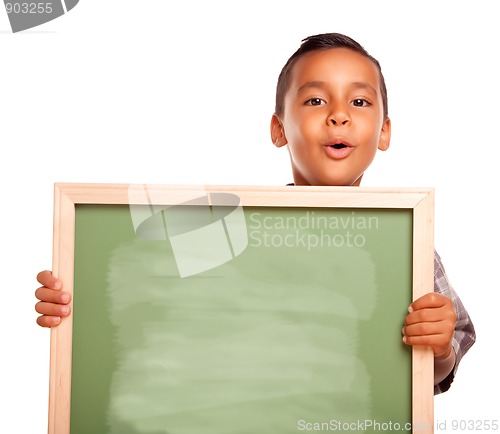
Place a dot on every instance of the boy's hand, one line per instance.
(53, 304)
(431, 322)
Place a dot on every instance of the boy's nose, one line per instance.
(338, 117)
(335, 122)
(339, 120)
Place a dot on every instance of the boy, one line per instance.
(331, 112)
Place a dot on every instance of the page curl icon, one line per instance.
(25, 14)
(204, 231)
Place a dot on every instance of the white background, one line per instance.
(150, 92)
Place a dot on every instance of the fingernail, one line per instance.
(410, 309)
(58, 285)
(65, 310)
(65, 298)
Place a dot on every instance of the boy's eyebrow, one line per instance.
(354, 84)
(311, 84)
(363, 85)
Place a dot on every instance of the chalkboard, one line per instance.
(240, 309)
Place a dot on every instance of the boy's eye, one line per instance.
(359, 102)
(315, 101)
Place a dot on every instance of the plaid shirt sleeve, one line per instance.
(464, 335)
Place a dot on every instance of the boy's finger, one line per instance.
(48, 321)
(52, 309)
(46, 278)
(431, 300)
(425, 329)
(445, 314)
(435, 341)
(425, 316)
(52, 296)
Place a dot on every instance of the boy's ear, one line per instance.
(385, 136)
(277, 132)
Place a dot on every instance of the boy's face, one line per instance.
(333, 119)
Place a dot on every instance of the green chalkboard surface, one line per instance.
(295, 325)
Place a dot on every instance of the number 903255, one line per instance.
(474, 425)
(29, 8)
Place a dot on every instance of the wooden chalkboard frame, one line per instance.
(67, 196)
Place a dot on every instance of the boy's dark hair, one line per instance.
(322, 42)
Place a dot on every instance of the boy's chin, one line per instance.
(331, 181)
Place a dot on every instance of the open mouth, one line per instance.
(338, 151)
